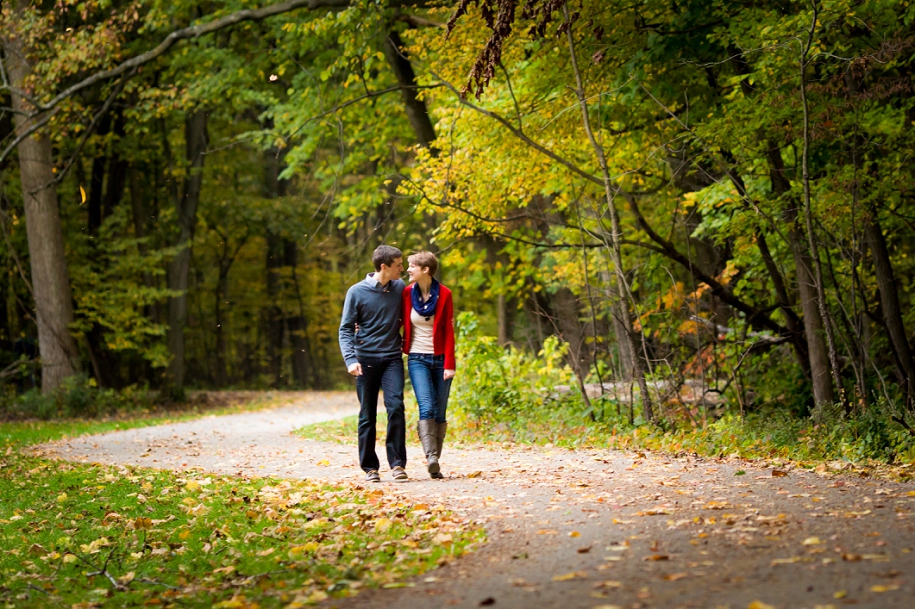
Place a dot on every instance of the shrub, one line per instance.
(78, 396)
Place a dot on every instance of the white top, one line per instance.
(421, 333)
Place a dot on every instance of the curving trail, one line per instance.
(596, 528)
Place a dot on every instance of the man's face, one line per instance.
(392, 272)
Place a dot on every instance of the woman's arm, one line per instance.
(405, 305)
(450, 364)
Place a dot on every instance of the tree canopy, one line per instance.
(689, 192)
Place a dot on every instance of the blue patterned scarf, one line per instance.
(427, 308)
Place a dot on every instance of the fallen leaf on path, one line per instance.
(760, 605)
(570, 576)
(487, 601)
(654, 557)
(657, 511)
(547, 532)
(778, 473)
(323, 463)
(584, 550)
(812, 541)
(889, 588)
(475, 474)
(574, 534)
(672, 577)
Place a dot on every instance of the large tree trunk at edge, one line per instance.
(50, 279)
(195, 133)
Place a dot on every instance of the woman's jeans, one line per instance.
(427, 375)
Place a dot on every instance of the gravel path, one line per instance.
(590, 529)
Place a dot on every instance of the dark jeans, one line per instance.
(385, 375)
(427, 375)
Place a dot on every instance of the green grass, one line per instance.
(343, 431)
(120, 537)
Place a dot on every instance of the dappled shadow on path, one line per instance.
(585, 528)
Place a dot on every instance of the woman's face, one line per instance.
(415, 272)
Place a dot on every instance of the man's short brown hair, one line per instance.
(386, 255)
(425, 260)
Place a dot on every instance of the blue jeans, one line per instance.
(427, 375)
(385, 375)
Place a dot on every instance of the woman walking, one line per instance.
(428, 320)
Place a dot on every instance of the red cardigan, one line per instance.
(442, 328)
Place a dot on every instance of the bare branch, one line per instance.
(27, 133)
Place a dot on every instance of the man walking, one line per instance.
(371, 345)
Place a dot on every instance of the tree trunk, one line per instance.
(48, 262)
(889, 303)
(817, 352)
(504, 320)
(97, 183)
(416, 109)
(195, 133)
(140, 222)
(221, 374)
(622, 283)
(273, 313)
(304, 373)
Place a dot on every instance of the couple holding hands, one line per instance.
(375, 311)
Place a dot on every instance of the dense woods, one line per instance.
(701, 194)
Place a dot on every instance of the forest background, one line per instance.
(703, 209)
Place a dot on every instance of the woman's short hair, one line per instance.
(424, 260)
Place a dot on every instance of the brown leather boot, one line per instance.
(440, 430)
(427, 437)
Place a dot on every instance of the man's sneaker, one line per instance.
(372, 476)
(399, 474)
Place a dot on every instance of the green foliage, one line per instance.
(78, 397)
(498, 384)
(111, 293)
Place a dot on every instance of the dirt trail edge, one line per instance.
(595, 528)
